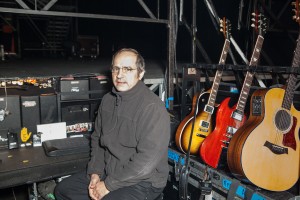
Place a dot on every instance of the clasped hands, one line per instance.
(97, 188)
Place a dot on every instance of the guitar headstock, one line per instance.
(296, 11)
(259, 23)
(225, 27)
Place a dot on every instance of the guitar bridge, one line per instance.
(275, 148)
(204, 124)
(209, 109)
(201, 135)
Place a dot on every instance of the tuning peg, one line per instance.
(294, 3)
(296, 18)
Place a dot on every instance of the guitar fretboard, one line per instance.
(291, 82)
(218, 76)
(249, 76)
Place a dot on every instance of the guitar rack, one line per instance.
(224, 185)
(195, 76)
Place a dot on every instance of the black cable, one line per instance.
(184, 173)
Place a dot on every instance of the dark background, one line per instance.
(151, 39)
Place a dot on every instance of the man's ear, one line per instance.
(141, 75)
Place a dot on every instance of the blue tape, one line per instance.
(256, 196)
(226, 184)
(240, 191)
(167, 101)
(234, 90)
(175, 157)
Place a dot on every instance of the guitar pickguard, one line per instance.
(289, 138)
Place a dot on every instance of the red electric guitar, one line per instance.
(213, 150)
(265, 150)
(204, 111)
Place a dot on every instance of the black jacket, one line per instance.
(130, 141)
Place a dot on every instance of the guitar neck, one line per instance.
(291, 82)
(218, 76)
(249, 76)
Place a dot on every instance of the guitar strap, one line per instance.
(232, 190)
(248, 193)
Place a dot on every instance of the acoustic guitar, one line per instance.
(213, 150)
(265, 150)
(204, 111)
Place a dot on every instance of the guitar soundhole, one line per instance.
(283, 120)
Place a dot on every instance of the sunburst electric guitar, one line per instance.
(204, 111)
(213, 150)
(265, 150)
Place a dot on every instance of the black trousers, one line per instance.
(75, 187)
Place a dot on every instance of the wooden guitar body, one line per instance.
(266, 149)
(184, 129)
(216, 142)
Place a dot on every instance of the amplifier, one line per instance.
(72, 114)
(99, 86)
(224, 186)
(74, 89)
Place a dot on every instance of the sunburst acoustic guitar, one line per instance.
(204, 111)
(265, 150)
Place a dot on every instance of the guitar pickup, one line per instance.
(203, 130)
(204, 124)
(231, 130)
(238, 115)
(209, 109)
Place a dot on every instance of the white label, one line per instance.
(29, 104)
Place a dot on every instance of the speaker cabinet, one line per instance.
(11, 106)
(30, 108)
(48, 108)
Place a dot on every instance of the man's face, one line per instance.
(124, 81)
